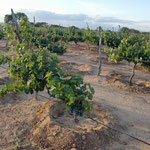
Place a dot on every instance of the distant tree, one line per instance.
(20, 15)
(127, 30)
(54, 26)
(9, 19)
(74, 27)
(41, 24)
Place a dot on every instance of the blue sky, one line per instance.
(127, 9)
(134, 10)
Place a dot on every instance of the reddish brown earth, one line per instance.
(46, 124)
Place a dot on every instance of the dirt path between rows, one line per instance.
(130, 109)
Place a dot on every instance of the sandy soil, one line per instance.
(126, 108)
(130, 105)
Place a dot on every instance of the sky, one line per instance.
(131, 10)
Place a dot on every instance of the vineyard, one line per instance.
(54, 80)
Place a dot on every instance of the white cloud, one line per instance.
(80, 20)
(98, 9)
(94, 20)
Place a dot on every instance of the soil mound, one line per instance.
(121, 81)
(54, 128)
(70, 67)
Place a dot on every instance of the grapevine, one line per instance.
(133, 49)
(34, 68)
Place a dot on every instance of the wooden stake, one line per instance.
(33, 25)
(6, 47)
(17, 26)
(100, 57)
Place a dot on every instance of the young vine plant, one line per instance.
(135, 49)
(35, 68)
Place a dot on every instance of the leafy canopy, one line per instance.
(132, 49)
(35, 68)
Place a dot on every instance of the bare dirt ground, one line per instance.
(27, 124)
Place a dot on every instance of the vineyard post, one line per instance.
(100, 57)
(68, 30)
(113, 28)
(33, 25)
(6, 47)
(50, 29)
(17, 26)
(119, 27)
(88, 28)
(59, 27)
